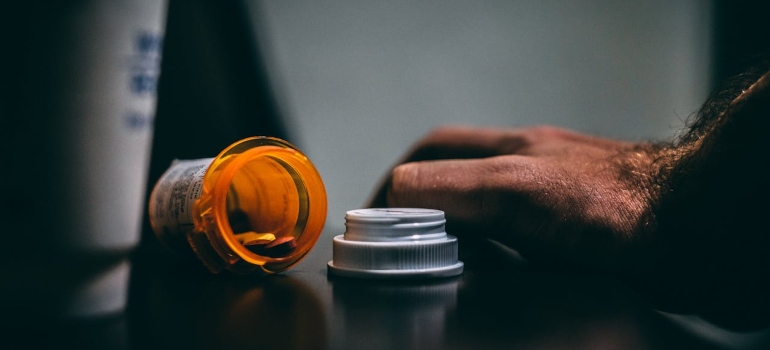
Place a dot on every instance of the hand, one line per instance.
(680, 221)
(556, 196)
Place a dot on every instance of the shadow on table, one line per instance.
(182, 307)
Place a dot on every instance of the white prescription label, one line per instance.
(174, 195)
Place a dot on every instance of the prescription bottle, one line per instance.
(257, 207)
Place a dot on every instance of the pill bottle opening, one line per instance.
(272, 205)
(267, 201)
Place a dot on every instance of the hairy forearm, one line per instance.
(709, 176)
(709, 203)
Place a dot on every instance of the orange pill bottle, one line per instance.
(257, 207)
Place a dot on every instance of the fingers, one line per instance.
(462, 142)
(453, 186)
(468, 191)
(448, 142)
(459, 142)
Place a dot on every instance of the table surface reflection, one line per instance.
(173, 304)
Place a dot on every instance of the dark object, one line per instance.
(741, 36)
(212, 90)
(280, 247)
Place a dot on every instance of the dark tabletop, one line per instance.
(176, 304)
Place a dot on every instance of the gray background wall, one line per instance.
(360, 81)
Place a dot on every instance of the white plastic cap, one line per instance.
(395, 243)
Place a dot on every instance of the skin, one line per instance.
(527, 188)
(679, 220)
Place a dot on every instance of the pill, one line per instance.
(249, 236)
(280, 247)
(257, 246)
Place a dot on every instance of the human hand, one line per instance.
(679, 220)
(556, 196)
